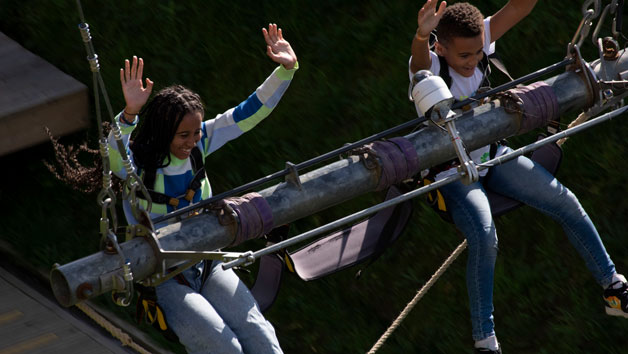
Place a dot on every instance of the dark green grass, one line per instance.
(352, 83)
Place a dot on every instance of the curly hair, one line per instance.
(82, 178)
(460, 20)
(161, 119)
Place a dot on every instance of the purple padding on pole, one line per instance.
(412, 159)
(395, 164)
(531, 109)
(263, 210)
(398, 159)
(388, 174)
(254, 214)
(540, 105)
(347, 247)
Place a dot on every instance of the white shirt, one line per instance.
(465, 87)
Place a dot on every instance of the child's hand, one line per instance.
(428, 18)
(135, 94)
(278, 49)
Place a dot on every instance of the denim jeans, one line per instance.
(219, 316)
(524, 180)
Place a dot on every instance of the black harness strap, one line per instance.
(483, 65)
(198, 166)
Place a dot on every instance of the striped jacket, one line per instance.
(173, 180)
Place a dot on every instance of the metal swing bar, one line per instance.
(293, 169)
(247, 257)
(102, 272)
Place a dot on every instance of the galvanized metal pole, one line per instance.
(318, 190)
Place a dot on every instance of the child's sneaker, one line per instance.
(488, 351)
(616, 298)
(488, 345)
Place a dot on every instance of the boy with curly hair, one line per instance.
(464, 39)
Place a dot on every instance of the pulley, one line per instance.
(433, 100)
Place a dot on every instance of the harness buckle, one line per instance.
(174, 202)
(189, 195)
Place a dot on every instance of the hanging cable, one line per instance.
(107, 198)
(132, 181)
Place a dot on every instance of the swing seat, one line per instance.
(334, 252)
(353, 245)
(366, 239)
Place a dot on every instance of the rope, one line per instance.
(116, 332)
(418, 296)
(582, 117)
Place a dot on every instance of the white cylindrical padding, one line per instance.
(428, 92)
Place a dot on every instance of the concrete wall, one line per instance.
(34, 94)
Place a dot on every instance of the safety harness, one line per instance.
(198, 168)
(548, 156)
(146, 306)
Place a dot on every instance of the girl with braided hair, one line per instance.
(210, 309)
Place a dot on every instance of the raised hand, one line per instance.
(278, 49)
(135, 94)
(429, 17)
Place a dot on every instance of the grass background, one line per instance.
(352, 83)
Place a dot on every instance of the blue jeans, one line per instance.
(219, 316)
(524, 180)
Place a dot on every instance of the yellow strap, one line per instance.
(441, 201)
(288, 261)
(161, 319)
(149, 315)
(189, 195)
(174, 202)
(154, 313)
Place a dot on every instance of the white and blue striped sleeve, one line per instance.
(242, 118)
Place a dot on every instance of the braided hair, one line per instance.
(161, 119)
(86, 178)
(460, 20)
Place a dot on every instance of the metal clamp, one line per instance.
(444, 117)
(122, 278)
(293, 175)
(163, 271)
(583, 29)
(367, 155)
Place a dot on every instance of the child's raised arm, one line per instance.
(509, 15)
(427, 19)
(135, 94)
(277, 48)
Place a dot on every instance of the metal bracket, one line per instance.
(293, 175)
(367, 156)
(164, 272)
(444, 117)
